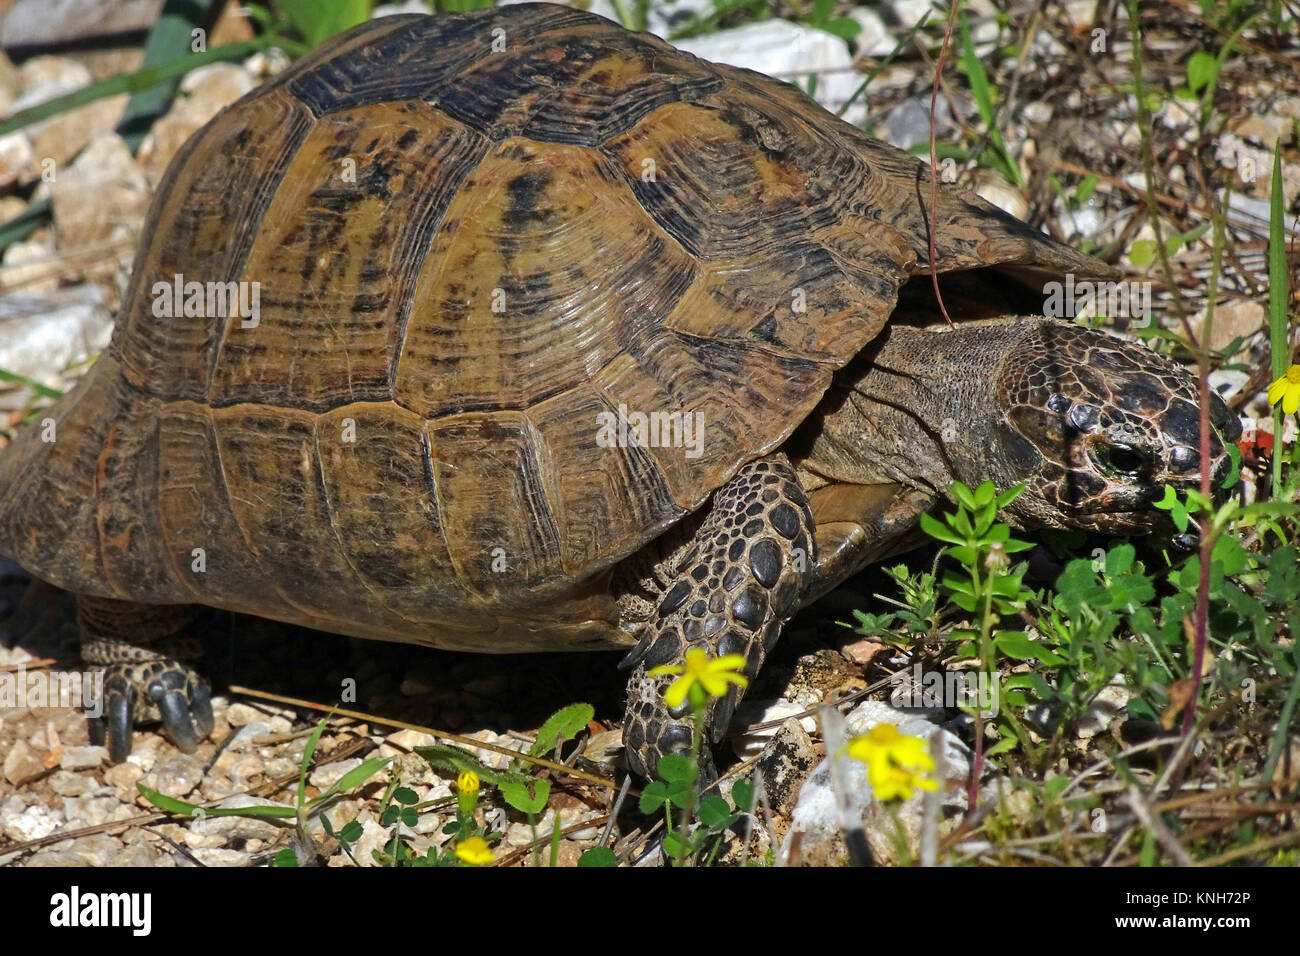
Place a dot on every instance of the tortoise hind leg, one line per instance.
(141, 651)
(741, 580)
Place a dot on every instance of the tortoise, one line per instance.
(514, 330)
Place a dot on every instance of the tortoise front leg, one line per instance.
(140, 650)
(739, 583)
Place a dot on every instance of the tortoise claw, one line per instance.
(120, 700)
(158, 689)
(174, 709)
(201, 707)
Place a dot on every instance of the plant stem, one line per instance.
(698, 703)
(1201, 623)
(986, 663)
(1277, 305)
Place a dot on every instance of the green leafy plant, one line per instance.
(676, 789)
(845, 28)
(699, 678)
(318, 20)
(916, 616)
(523, 792)
(561, 727)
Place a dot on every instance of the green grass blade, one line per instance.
(185, 808)
(134, 82)
(25, 223)
(43, 390)
(307, 752)
(353, 778)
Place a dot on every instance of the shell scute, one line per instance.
(334, 267)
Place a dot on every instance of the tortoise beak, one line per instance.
(1227, 429)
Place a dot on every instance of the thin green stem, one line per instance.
(986, 663)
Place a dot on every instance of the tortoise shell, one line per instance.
(471, 237)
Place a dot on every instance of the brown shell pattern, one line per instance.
(549, 218)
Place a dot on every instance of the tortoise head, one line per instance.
(1096, 427)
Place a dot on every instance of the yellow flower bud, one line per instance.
(467, 782)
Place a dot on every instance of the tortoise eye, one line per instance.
(1122, 459)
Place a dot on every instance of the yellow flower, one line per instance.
(467, 797)
(711, 673)
(896, 764)
(1287, 391)
(474, 851)
(467, 782)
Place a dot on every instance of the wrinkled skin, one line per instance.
(1093, 425)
